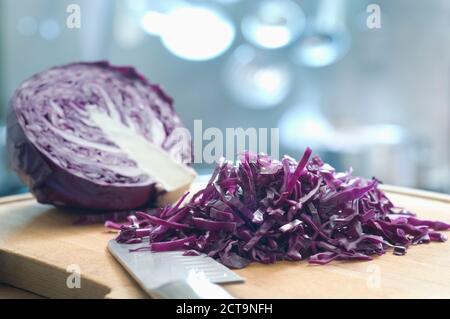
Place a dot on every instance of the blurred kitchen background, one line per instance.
(374, 99)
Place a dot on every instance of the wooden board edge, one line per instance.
(9, 292)
(31, 274)
(15, 198)
(418, 193)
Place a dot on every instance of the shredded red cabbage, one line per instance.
(262, 210)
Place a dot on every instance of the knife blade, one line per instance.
(172, 275)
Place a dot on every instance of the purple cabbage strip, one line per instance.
(265, 211)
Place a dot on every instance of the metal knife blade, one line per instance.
(172, 275)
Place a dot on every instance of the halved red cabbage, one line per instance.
(262, 210)
(82, 135)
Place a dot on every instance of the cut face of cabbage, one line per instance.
(150, 158)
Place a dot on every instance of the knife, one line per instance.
(170, 275)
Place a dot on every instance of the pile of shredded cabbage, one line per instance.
(262, 210)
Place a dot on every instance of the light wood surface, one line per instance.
(38, 243)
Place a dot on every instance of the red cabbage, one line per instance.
(63, 155)
(262, 210)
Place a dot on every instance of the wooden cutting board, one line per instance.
(38, 243)
(8, 292)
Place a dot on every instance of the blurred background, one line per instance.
(364, 93)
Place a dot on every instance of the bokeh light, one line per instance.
(255, 80)
(273, 23)
(49, 29)
(302, 126)
(195, 33)
(153, 22)
(321, 49)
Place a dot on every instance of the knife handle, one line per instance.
(182, 289)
